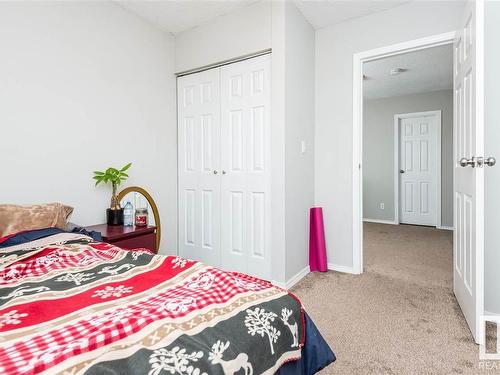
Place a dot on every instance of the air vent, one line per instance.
(396, 71)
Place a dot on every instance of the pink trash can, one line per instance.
(317, 246)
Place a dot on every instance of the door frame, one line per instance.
(357, 135)
(397, 120)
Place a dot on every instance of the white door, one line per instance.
(245, 158)
(199, 166)
(418, 167)
(469, 179)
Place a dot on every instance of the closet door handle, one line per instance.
(223, 172)
(215, 172)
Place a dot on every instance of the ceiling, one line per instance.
(176, 16)
(330, 12)
(428, 70)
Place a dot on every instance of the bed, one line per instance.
(73, 305)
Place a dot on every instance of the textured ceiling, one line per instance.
(330, 12)
(429, 70)
(176, 16)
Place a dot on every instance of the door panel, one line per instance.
(419, 168)
(245, 155)
(199, 158)
(469, 181)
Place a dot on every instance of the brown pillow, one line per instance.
(15, 218)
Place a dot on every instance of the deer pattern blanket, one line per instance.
(69, 305)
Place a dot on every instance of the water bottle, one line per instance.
(128, 214)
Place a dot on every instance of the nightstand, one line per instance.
(127, 237)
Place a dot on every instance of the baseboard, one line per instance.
(299, 276)
(305, 271)
(294, 279)
(444, 227)
(490, 313)
(379, 221)
(340, 268)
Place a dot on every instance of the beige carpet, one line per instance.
(400, 316)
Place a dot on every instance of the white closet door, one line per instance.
(199, 166)
(245, 163)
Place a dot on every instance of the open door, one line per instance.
(468, 247)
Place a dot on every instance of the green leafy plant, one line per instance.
(115, 177)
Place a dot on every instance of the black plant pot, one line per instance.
(114, 217)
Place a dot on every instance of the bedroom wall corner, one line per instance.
(83, 86)
(299, 133)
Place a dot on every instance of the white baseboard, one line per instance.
(379, 221)
(294, 279)
(299, 276)
(306, 270)
(340, 268)
(444, 227)
(490, 313)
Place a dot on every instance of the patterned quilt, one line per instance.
(69, 305)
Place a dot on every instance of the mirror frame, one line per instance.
(154, 208)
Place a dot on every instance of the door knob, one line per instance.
(401, 171)
(477, 162)
(223, 172)
(464, 162)
(215, 171)
(490, 162)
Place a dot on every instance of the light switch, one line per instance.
(303, 146)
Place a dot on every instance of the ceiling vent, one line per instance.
(396, 71)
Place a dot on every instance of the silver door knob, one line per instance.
(464, 162)
(490, 162)
(215, 172)
(223, 172)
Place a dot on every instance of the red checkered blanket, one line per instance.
(69, 305)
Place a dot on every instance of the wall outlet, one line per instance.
(382, 206)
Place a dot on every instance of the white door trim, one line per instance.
(357, 116)
(397, 118)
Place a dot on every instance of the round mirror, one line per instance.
(141, 199)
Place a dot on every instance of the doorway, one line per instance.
(468, 157)
(407, 153)
(359, 79)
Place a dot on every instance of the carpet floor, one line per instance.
(400, 316)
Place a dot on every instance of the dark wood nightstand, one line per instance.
(127, 237)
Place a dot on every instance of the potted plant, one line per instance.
(115, 177)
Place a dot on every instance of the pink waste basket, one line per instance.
(317, 247)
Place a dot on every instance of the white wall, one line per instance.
(235, 34)
(335, 47)
(378, 151)
(299, 126)
(278, 115)
(492, 142)
(84, 86)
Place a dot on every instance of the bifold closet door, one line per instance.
(245, 164)
(199, 166)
